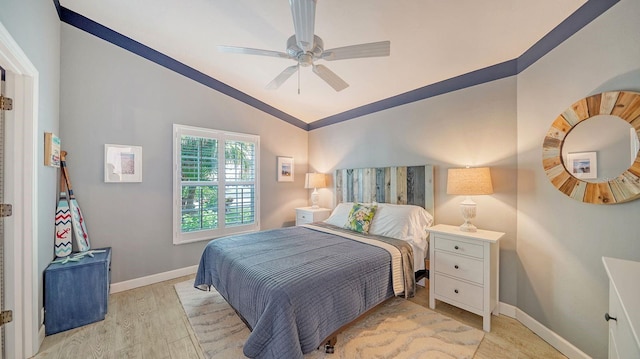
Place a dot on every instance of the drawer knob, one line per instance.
(455, 291)
(607, 317)
(456, 247)
(456, 266)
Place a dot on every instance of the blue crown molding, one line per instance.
(56, 3)
(487, 74)
(576, 21)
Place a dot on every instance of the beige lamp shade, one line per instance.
(469, 181)
(315, 180)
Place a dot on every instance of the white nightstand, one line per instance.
(308, 215)
(465, 270)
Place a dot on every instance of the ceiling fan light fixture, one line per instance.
(305, 60)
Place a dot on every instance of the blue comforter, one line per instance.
(295, 286)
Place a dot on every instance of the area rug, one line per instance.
(396, 329)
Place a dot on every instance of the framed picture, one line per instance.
(51, 150)
(582, 165)
(122, 163)
(285, 169)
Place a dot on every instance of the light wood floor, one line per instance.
(149, 322)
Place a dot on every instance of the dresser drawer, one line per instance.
(454, 245)
(621, 340)
(460, 267)
(461, 292)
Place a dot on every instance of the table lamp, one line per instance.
(315, 181)
(469, 182)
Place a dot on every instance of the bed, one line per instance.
(296, 287)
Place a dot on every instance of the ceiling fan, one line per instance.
(305, 48)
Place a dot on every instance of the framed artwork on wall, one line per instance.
(51, 150)
(583, 165)
(285, 169)
(122, 163)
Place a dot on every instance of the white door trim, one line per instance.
(21, 285)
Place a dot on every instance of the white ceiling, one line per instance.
(431, 41)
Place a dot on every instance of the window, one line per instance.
(216, 183)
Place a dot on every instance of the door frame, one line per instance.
(22, 335)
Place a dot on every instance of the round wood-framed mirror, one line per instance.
(623, 188)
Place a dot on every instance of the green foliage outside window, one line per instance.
(199, 160)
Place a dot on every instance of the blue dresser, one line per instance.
(76, 293)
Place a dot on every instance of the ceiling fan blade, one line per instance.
(280, 79)
(304, 14)
(330, 77)
(372, 49)
(250, 51)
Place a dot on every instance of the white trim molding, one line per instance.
(549, 336)
(22, 335)
(152, 279)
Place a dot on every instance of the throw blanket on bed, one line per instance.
(295, 286)
(403, 274)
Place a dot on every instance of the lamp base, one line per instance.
(315, 196)
(468, 210)
(468, 227)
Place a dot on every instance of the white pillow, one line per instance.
(340, 214)
(405, 222)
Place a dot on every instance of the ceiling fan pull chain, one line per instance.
(298, 79)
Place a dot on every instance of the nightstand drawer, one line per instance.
(461, 292)
(304, 217)
(450, 244)
(460, 267)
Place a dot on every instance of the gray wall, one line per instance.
(475, 126)
(35, 26)
(109, 95)
(561, 280)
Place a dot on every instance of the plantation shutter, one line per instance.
(215, 185)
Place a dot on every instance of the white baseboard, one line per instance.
(508, 310)
(41, 330)
(152, 279)
(549, 336)
(41, 336)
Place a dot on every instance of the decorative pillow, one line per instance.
(360, 217)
